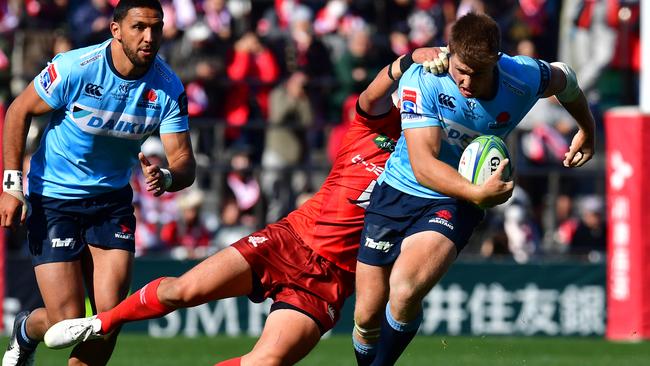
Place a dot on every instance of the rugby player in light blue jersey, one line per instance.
(105, 101)
(422, 211)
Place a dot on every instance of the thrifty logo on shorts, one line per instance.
(256, 240)
(63, 243)
(383, 246)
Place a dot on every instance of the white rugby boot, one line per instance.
(16, 355)
(69, 332)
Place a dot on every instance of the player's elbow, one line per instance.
(190, 172)
(184, 173)
(421, 175)
(367, 100)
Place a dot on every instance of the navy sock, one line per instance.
(365, 353)
(395, 337)
(23, 339)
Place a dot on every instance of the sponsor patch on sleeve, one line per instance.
(49, 78)
(410, 100)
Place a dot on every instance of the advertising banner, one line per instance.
(472, 299)
(628, 251)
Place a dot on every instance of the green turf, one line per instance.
(446, 351)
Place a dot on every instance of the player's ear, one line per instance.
(116, 31)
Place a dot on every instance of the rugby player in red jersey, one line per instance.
(304, 262)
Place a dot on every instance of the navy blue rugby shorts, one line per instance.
(60, 229)
(393, 215)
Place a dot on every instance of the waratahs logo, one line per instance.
(149, 100)
(444, 214)
(385, 143)
(502, 121)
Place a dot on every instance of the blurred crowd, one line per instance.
(271, 87)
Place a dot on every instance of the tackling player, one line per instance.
(305, 262)
(105, 101)
(422, 211)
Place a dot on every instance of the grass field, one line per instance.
(447, 351)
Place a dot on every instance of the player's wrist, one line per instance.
(166, 178)
(475, 194)
(12, 181)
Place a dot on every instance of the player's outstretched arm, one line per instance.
(16, 125)
(376, 99)
(564, 86)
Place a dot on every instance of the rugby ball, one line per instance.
(481, 158)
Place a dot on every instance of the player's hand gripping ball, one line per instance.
(482, 157)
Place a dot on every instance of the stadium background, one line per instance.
(271, 85)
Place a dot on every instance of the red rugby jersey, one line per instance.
(331, 222)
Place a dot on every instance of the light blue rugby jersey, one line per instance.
(430, 100)
(100, 120)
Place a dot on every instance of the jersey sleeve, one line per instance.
(176, 118)
(53, 82)
(417, 108)
(537, 73)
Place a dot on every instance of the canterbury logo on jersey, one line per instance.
(110, 123)
(331, 312)
(257, 240)
(93, 90)
(446, 101)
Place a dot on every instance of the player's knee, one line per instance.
(178, 293)
(403, 295)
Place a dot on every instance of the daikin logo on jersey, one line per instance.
(109, 123)
(458, 135)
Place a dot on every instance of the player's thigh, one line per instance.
(61, 286)
(371, 294)
(224, 274)
(425, 257)
(108, 275)
(288, 336)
